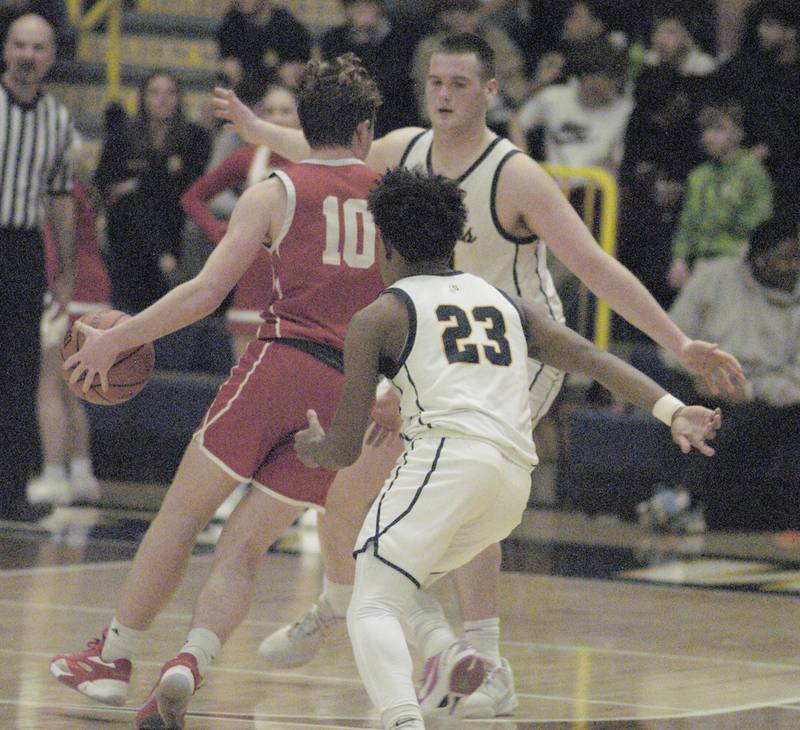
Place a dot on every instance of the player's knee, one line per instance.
(240, 553)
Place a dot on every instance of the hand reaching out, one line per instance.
(227, 106)
(720, 370)
(692, 426)
(386, 410)
(305, 440)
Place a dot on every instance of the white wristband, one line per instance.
(666, 407)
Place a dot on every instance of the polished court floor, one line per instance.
(606, 626)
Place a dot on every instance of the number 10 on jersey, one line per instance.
(349, 233)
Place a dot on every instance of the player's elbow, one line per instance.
(581, 358)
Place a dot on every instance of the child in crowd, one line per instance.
(726, 197)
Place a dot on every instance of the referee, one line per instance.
(35, 185)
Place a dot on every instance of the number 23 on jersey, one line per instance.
(459, 338)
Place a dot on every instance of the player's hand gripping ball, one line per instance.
(126, 377)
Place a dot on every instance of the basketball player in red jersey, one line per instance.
(313, 219)
(515, 211)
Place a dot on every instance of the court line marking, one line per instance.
(571, 648)
(43, 570)
(289, 720)
(216, 669)
(354, 681)
(107, 611)
(294, 721)
(75, 567)
(653, 655)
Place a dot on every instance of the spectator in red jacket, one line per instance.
(241, 169)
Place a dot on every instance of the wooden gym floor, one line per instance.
(606, 626)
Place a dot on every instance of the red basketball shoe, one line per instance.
(87, 673)
(165, 709)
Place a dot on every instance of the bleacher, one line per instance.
(174, 34)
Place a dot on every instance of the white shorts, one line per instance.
(445, 501)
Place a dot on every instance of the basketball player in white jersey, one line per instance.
(456, 349)
(513, 207)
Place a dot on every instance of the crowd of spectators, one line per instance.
(622, 85)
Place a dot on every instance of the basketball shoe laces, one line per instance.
(310, 623)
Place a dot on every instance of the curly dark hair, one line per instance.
(333, 98)
(420, 215)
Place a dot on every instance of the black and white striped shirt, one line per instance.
(35, 138)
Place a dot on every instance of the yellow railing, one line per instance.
(593, 180)
(111, 11)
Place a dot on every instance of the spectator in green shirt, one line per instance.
(726, 197)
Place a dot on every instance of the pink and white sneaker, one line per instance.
(165, 709)
(87, 673)
(450, 675)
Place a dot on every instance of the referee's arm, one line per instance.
(60, 214)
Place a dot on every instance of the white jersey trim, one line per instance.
(283, 498)
(291, 205)
(337, 162)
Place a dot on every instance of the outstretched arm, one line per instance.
(557, 345)
(546, 212)
(287, 142)
(385, 152)
(256, 210)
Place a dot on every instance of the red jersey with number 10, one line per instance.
(324, 265)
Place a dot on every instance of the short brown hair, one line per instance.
(333, 98)
(457, 43)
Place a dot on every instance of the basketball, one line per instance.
(126, 377)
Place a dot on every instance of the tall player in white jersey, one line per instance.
(513, 207)
(456, 349)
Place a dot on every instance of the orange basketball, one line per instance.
(126, 377)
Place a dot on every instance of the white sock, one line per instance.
(81, 466)
(393, 714)
(203, 645)
(56, 472)
(337, 595)
(121, 642)
(429, 628)
(484, 635)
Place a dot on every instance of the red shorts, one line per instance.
(249, 429)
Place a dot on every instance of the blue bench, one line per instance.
(612, 459)
(143, 439)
